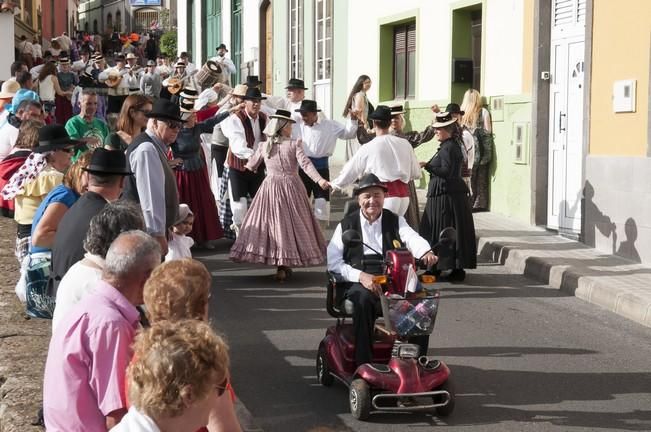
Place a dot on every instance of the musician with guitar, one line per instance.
(118, 85)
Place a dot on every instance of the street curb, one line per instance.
(244, 416)
(569, 279)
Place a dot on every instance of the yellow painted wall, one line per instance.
(527, 47)
(620, 50)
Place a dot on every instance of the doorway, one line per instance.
(565, 171)
(466, 51)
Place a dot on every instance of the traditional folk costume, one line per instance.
(119, 82)
(280, 228)
(447, 204)
(391, 159)
(415, 139)
(319, 141)
(192, 175)
(244, 134)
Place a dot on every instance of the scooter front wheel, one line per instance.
(322, 370)
(360, 399)
(446, 410)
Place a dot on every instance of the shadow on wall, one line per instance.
(594, 220)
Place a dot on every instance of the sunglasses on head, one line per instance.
(222, 387)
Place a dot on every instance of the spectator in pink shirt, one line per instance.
(89, 352)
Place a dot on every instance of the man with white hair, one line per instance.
(83, 388)
(153, 184)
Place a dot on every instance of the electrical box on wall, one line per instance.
(462, 71)
(624, 96)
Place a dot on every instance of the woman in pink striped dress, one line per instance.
(279, 228)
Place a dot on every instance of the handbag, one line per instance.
(485, 143)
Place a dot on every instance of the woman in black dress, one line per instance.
(447, 202)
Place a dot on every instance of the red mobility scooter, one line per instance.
(398, 378)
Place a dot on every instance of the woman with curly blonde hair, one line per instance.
(179, 371)
(180, 290)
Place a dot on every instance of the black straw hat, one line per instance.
(222, 46)
(108, 162)
(308, 106)
(253, 93)
(453, 108)
(295, 83)
(165, 110)
(53, 137)
(252, 81)
(397, 110)
(284, 115)
(382, 112)
(368, 181)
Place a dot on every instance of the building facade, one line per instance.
(126, 16)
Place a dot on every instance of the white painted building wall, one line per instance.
(6, 49)
(502, 69)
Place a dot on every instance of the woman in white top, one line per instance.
(178, 372)
(48, 87)
(81, 278)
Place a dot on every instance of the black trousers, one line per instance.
(245, 184)
(313, 189)
(218, 154)
(366, 308)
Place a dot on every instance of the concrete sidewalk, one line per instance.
(614, 283)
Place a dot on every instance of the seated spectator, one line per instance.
(89, 352)
(179, 371)
(27, 140)
(105, 181)
(44, 226)
(180, 290)
(22, 108)
(41, 172)
(81, 279)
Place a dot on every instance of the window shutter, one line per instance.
(563, 12)
(411, 38)
(581, 11)
(399, 38)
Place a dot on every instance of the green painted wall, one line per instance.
(461, 46)
(510, 181)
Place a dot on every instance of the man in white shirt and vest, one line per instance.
(390, 158)
(244, 132)
(227, 65)
(319, 137)
(382, 230)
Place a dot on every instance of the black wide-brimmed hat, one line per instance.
(382, 112)
(368, 181)
(252, 81)
(108, 162)
(295, 83)
(453, 108)
(54, 137)
(221, 46)
(283, 114)
(165, 110)
(308, 106)
(253, 93)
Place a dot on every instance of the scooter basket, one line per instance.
(410, 317)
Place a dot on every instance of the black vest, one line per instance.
(390, 232)
(130, 191)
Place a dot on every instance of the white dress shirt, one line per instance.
(389, 157)
(145, 163)
(320, 139)
(233, 129)
(227, 64)
(372, 236)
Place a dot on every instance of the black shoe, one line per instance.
(457, 275)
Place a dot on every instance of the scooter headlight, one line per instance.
(406, 351)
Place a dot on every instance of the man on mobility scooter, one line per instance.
(382, 230)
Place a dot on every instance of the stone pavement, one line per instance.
(614, 283)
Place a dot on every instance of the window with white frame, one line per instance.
(323, 38)
(296, 39)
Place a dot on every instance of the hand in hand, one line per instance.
(175, 162)
(367, 282)
(324, 184)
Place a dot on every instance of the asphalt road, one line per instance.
(524, 357)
